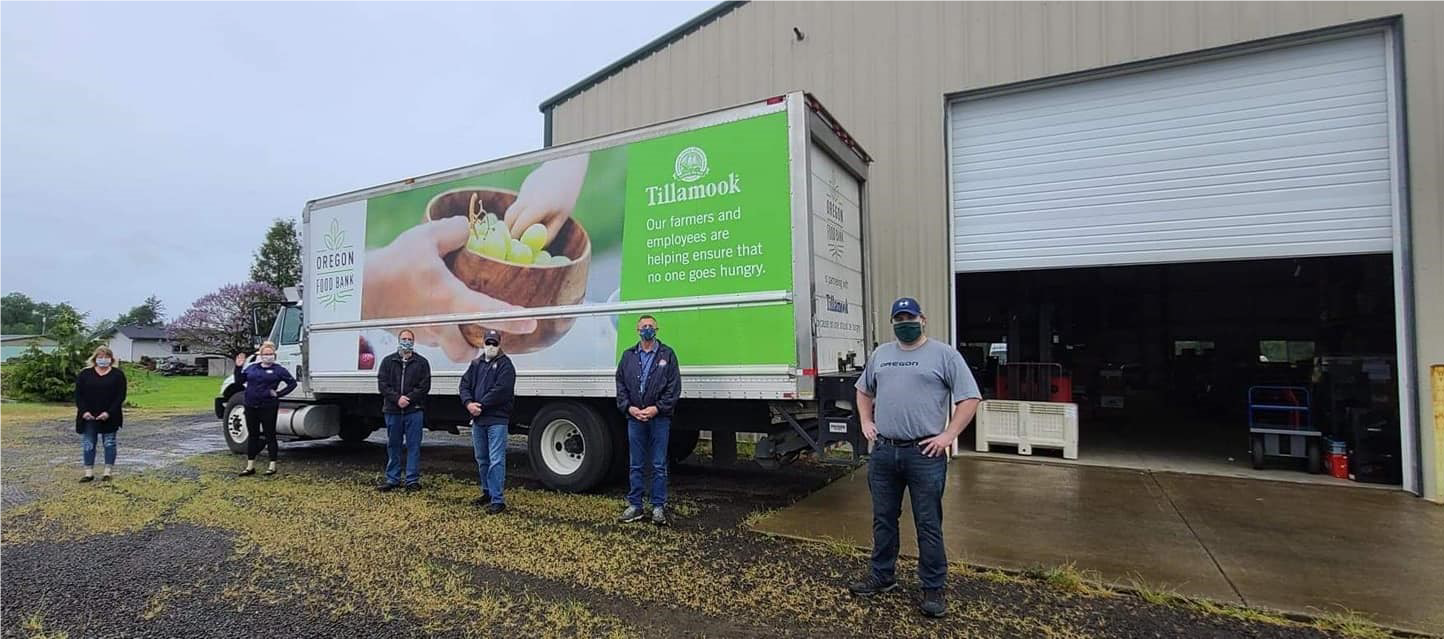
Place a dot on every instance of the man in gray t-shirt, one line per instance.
(914, 398)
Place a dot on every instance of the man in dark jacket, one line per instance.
(487, 390)
(404, 379)
(648, 386)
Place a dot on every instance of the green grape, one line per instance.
(490, 219)
(495, 245)
(561, 260)
(535, 236)
(543, 257)
(474, 244)
(520, 253)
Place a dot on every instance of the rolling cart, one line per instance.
(1280, 424)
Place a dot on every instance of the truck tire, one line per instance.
(354, 433)
(680, 445)
(571, 447)
(233, 425)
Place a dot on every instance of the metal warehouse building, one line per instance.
(1175, 202)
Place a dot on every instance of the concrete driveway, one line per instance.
(1285, 546)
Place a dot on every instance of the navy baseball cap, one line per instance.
(493, 336)
(906, 305)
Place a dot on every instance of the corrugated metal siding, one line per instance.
(853, 59)
(1280, 153)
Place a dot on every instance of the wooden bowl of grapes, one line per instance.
(529, 271)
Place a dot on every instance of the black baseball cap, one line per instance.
(493, 336)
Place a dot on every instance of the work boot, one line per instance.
(872, 586)
(631, 514)
(386, 488)
(933, 604)
(481, 502)
(413, 488)
(659, 516)
(496, 509)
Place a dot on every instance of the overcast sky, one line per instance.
(144, 148)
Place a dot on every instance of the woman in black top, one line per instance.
(262, 401)
(99, 396)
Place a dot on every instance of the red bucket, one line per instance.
(1339, 465)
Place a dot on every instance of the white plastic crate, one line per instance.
(1028, 424)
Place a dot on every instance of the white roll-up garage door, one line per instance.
(1278, 153)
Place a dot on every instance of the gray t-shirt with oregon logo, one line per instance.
(914, 391)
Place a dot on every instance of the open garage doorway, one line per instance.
(1171, 364)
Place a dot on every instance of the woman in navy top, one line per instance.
(262, 399)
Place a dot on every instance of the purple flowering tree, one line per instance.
(219, 323)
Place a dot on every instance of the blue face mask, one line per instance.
(648, 334)
(407, 344)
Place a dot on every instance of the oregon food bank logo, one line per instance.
(691, 165)
(335, 267)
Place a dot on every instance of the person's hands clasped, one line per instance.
(547, 196)
(408, 278)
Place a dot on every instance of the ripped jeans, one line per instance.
(87, 445)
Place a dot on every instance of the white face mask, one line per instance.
(491, 351)
(267, 359)
(102, 362)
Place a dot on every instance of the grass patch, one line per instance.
(1070, 579)
(1240, 613)
(1158, 596)
(1351, 624)
(997, 576)
(34, 628)
(547, 543)
(754, 519)
(155, 393)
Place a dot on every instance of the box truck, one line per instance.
(740, 230)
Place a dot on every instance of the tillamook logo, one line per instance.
(691, 166)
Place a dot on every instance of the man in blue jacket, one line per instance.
(487, 391)
(648, 387)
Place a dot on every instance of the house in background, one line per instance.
(12, 345)
(130, 343)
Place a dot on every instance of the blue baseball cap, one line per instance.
(906, 305)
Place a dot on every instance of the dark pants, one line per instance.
(258, 421)
(87, 445)
(890, 469)
(403, 435)
(647, 448)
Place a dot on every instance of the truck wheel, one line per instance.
(1315, 455)
(233, 427)
(570, 447)
(1256, 452)
(354, 433)
(680, 445)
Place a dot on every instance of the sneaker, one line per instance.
(659, 516)
(631, 514)
(87, 478)
(481, 502)
(386, 488)
(247, 472)
(933, 604)
(495, 509)
(270, 471)
(413, 488)
(872, 586)
(105, 478)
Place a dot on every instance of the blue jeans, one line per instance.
(647, 447)
(403, 430)
(87, 445)
(489, 444)
(889, 470)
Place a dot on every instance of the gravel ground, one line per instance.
(179, 547)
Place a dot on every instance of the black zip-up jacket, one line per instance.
(664, 385)
(398, 377)
(491, 384)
